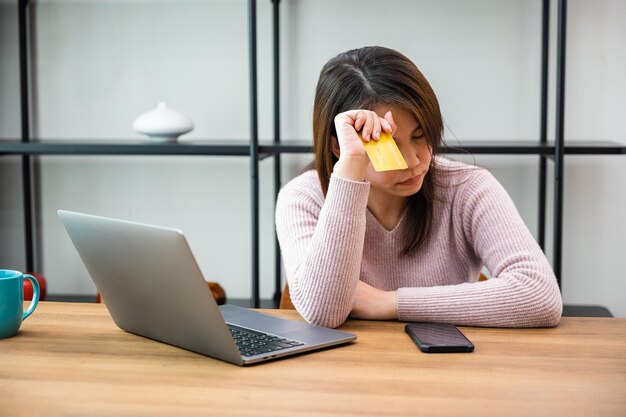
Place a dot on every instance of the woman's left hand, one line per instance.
(374, 304)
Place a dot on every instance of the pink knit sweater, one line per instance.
(328, 244)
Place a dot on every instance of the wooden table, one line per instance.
(71, 360)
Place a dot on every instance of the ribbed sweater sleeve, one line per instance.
(523, 291)
(329, 243)
(322, 245)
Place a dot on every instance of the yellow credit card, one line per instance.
(384, 153)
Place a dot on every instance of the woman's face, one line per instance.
(416, 152)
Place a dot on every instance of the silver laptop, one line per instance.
(153, 287)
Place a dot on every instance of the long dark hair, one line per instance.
(362, 79)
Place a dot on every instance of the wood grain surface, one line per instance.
(70, 359)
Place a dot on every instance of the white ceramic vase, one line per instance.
(163, 124)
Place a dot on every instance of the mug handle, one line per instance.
(35, 300)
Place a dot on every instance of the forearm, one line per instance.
(508, 301)
(323, 253)
(489, 230)
(323, 287)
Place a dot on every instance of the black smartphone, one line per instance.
(438, 338)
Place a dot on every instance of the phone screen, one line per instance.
(438, 338)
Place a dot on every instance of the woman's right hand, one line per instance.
(353, 159)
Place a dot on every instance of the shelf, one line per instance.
(500, 147)
(127, 147)
(242, 148)
(594, 148)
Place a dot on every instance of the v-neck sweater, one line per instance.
(329, 243)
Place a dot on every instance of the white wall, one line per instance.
(98, 64)
(595, 194)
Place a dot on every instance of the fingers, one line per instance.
(360, 120)
(370, 125)
(367, 122)
(374, 304)
(371, 128)
(386, 126)
(392, 124)
(377, 128)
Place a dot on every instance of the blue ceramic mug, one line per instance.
(12, 301)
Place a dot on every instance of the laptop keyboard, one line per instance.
(252, 343)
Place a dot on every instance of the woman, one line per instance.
(405, 244)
